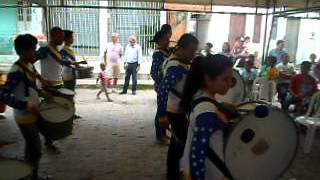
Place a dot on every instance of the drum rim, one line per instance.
(295, 150)
(73, 109)
(63, 88)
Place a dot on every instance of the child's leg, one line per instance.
(31, 136)
(105, 89)
(99, 92)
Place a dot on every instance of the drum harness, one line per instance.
(27, 82)
(213, 157)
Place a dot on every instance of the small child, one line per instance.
(104, 81)
(272, 72)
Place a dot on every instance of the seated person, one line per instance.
(272, 71)
(315, 72)
(286, 71)
(302, 87)
(249, 74)
(265, 68)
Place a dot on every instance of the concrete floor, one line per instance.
(115, 141)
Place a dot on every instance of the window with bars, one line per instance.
(142, 23)
(24, 13)
(84, 22)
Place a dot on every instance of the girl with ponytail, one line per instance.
(175, 71)
(207, 77)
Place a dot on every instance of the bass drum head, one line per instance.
(236, 94)
(261, 148)
(57, 109)
(14, 169)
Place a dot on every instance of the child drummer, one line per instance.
(21, 93)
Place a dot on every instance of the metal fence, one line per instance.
(142, 23)
(83, 21)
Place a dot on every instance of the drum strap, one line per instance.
(220, 106)
(216, 160)
(213, 157)
(27, 82)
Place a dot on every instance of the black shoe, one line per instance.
(77, 116)
(123, 93)
(134, 93)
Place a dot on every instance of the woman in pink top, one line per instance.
(104, 81)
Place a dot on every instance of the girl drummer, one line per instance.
(21, 93)
(208, 76)
(169, 97)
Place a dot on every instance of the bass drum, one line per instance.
(237, 93)
(261, 148)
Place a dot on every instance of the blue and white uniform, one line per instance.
(158, 57)
(207, 129)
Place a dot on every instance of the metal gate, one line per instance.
(143, 23)
(84, 22)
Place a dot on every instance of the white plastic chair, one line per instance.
(311, 120)
(267, 90)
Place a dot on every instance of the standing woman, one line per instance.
(159, 56)
(169, 97)
(208, 125)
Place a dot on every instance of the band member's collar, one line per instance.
(69, 50)
(184, 65)
(54, 51)
(164, 51)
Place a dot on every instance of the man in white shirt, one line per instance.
(132, 60)
(113, 55)
(286, 71)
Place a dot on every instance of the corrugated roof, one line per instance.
(246, 3)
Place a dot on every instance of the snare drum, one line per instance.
(261, 148)
(14, 169)
(237, 93)
(57, 116)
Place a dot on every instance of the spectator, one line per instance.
(240, 52)
(286, 71)
(132, 60)
(226, 50)
(313, 58)
(279, 51)
(207, 50)
(302, 87)
(249, 73)
(112, 58)
(315, 72)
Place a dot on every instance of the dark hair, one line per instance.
(228, 44)
(247, 37)
(158, 36)
(271, 59)
(305, 64)
(23, 42)
(209, 45)
(165, 28)
(212, 66)
(251, 57)
(55, 30)
(280, 41)
(67, 34)
(187, 39)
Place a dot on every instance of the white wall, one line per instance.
(307, 43)
(218, 32)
